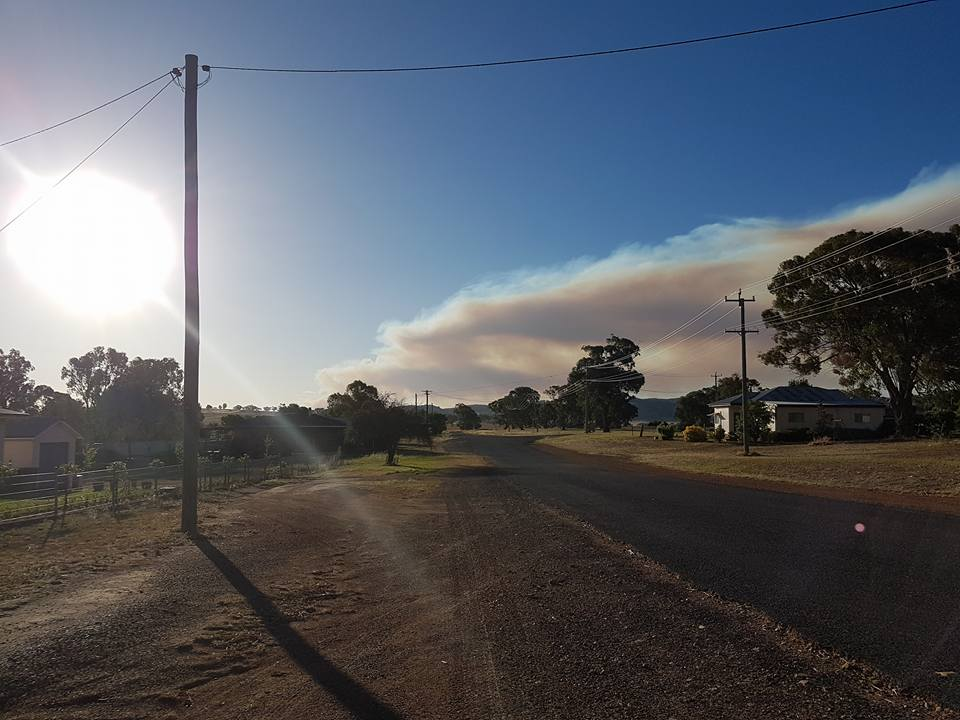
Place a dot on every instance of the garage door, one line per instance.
(53, 455)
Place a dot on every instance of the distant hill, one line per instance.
(649, 409)
(482, 410)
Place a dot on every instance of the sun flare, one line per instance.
(96, 245)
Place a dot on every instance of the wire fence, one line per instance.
(41, 495)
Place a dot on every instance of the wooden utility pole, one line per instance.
(191, 303)
(426, 412)
(716, 384)
(742, 332)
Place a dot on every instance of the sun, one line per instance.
(96, 245)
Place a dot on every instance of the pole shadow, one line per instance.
(359, 701)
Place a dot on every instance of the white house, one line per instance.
(799, 407)
(40, 442)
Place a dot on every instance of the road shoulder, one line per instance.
(925, 503)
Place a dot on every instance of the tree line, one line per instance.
(378, 422)
(596, 396)
(883, 315)
(110, 396)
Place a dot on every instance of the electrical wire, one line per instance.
(806, 265)
(89, 155)
(569, 56)
(880, 285)
(949, 260)
(88, 112)
(581, 55)
(856, 243)
(907, 285)
(912, 282)
(650, 346)
(691, 335)
(820, 304)
(861, 241)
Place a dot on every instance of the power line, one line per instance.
(581, 55)
(801, 268)
(892, 281)
(88, 112)
(87, 156)
(576, 387)
(949, 261)
(907, 285)
(856, 243)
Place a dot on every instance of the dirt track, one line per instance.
(425, 598)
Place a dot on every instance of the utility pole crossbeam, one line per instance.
(191, 302)
(742, 332)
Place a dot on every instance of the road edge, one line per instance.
(924, 503)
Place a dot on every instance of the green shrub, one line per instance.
(665, 431)
(694, 433)
(719, 433)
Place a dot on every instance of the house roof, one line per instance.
(29, 426)
(803, 395)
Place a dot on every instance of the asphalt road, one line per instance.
(889, 595)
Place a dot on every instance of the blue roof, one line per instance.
(803, 395)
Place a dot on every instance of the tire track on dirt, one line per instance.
(467, 584)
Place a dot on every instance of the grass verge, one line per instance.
(411, 460)
(919, 467)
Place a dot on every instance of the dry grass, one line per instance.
(38, 557)
(42, 557)
(411, 460)
(922, 467)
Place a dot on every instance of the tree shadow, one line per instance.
(360, 702)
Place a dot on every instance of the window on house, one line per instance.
(795, 417)
(861, 418)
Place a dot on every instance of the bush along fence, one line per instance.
(116, 486)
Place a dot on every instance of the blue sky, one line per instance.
(332, 205)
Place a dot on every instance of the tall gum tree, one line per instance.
(605, 397)
(883, 314)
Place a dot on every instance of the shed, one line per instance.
(36, 441)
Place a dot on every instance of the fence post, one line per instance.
(67, 483)
(56, 497)
(113, 490)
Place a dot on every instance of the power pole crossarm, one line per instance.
(742, 332)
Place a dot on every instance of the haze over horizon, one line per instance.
(467, 232)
